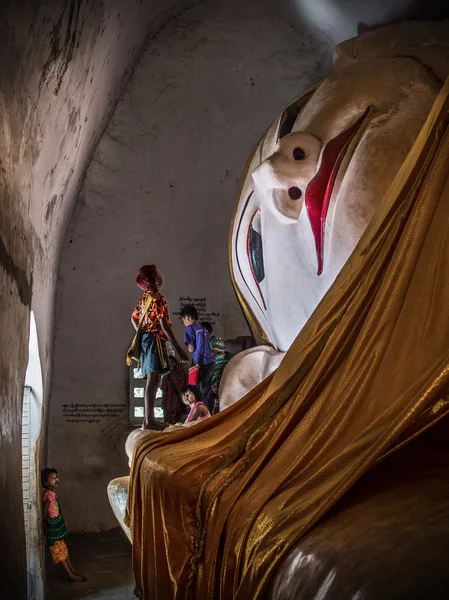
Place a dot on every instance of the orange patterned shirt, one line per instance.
(158, 310)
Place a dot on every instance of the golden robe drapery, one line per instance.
(213, 509)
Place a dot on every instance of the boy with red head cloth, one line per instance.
(156, 330)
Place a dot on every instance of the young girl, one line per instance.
(198, 410)
(55, 528)
(156, 330)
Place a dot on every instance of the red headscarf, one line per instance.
(148, 278)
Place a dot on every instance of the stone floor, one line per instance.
(105, 559)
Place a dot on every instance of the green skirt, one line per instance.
(56, 529)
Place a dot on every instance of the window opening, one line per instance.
(136, 398)
(31, 433)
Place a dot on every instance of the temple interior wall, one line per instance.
(207, 86)
(161, 188)
(340, 20)
(62, 67)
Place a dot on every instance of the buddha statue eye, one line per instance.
(294, 193)
(299, 154)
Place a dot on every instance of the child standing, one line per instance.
(197, 340)
(198, 410)
(222, 357)
(156, 330)
(55, 528)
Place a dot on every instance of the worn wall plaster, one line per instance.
(62, 66)
(161, 188)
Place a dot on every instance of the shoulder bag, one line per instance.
(134, 350)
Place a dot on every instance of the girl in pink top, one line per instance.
(55, 528)
(198, 410)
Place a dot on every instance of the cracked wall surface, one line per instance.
(62, 66)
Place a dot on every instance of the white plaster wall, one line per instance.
(161, 188)
(62, 66)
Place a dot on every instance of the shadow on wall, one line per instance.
(240, 344)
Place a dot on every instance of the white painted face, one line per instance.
(315, 181)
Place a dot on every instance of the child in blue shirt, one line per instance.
(197, 340)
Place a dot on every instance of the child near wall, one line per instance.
(55, 528)
(197, 340)
(152, 318)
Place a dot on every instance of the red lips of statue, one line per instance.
(319, 190)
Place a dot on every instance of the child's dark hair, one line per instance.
(189, 311)
(191, 388)
(207, 326)
(45, 473)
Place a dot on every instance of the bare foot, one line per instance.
(155, 425)
(78, 579)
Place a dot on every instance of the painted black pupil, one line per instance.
(299, 154)
(294, 193)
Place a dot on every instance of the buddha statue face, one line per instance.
(314, 183)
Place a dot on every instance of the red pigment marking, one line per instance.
(319, 190)
(248, 254)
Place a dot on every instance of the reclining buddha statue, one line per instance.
(315, 180)
(325, 473)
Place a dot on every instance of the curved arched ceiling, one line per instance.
(62, 68)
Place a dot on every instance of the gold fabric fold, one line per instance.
(213, 509)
